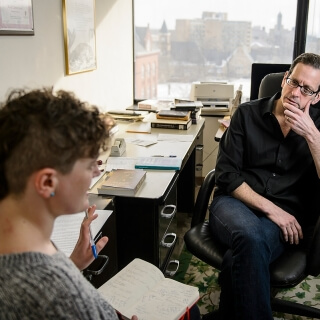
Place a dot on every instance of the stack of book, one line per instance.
(174, 114)
(170, 119)
(194, 107)
(154, 105)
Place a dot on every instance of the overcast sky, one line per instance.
(261, 13)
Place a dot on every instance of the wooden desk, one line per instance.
(146, 227)
(219, 133)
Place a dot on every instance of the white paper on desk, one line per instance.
(142, 142)
(175, 137)
(96, 179)
(67, 228)
(120, 163)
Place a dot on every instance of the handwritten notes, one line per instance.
(141, 289)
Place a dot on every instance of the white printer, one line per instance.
(216, 97)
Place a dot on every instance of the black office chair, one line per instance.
(289, 269)
(286, 272)
(270, 84)
(259, 71)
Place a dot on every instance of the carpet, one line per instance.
(195, 272)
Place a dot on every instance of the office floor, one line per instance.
(184, 222)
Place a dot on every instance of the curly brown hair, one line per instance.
(40, 129)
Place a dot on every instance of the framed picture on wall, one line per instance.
(16, 17)
(79, 35)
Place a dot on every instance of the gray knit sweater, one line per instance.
(38, 286)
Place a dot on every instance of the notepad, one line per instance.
(141, 289)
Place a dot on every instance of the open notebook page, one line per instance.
(67, 228)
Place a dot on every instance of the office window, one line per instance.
(313, 31)
(208, 40)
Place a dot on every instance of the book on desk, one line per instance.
(122, 182)
(171, 124)
(194, 113)
(156, 162)
(141, 289)
(194, 107)
(187, 104)
(167, 123)
(153, 104)
(173, 114)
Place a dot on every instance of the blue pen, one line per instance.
(93, 245)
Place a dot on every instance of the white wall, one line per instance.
(37, 61)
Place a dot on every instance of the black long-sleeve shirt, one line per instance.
(281, 169)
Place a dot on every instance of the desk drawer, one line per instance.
(167, 228)
(142, 224)
(110, 250)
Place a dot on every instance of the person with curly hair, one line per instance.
(49, 144)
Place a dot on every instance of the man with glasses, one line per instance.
(305, 90)
(267, 177)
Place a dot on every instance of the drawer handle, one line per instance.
(170, 214)
(168, 244)
(103, 261)
(173, 272)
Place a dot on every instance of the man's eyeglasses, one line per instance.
(304, 90)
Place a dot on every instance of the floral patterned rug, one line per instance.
(197, 273)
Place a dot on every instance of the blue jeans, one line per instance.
(253, 242)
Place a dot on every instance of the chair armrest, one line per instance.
(200, 243)
(202, 201)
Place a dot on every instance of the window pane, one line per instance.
(178, 42)
(313, 32)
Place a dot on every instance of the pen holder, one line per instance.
(96, 267)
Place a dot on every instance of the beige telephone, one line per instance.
(118, 148)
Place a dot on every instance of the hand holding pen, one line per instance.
(92, 243)
(82, 254)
